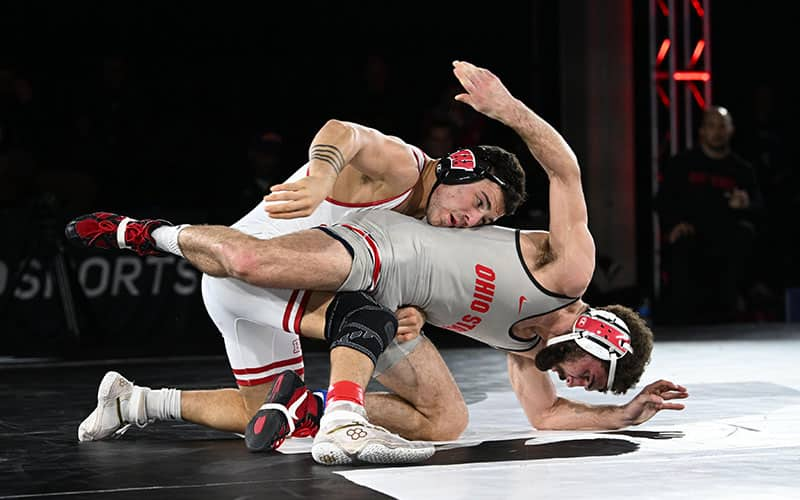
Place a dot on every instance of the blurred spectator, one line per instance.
(27, 187)
(20, 115)
(107, 136)
(710, 206)
(264, 157)
(18, 172)
(264, 167)
(21, 138)
(468, 124)
(767, 141)
(438, 137)
(373, 100)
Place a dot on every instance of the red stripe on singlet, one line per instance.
(264, 380)
(288, 311)
(265, 368)
(376, 256)
(301, 310)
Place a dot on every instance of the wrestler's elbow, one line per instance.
(543, 424)
(334, 124)
(545, 419)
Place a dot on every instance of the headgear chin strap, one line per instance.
(464, 167)
(603, 335)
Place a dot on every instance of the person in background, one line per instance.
(710, 207)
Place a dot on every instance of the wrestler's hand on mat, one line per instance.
(410, 321)
(652, 399)
(298, 199)
(484, 91)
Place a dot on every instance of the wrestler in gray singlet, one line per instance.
(469, 280)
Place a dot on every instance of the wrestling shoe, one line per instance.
(108, 231)
(289, 410)
(108, 420)
(360, 441)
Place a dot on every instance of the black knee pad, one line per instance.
(355, 320)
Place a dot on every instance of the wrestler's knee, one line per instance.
(242, 260)
(449, 419)
(357, 321)
(233, 258)
(444, 411)
(416, 373)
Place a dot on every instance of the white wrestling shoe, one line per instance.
(109, 418)
(360, 441)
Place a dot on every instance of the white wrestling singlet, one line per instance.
(260, 326)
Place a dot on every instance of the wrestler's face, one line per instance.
(586, 371)
(465, 205)
(716, 131)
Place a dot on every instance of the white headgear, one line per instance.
(603, 335)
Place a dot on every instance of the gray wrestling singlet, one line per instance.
(472, 281)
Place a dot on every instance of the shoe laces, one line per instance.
(136, 234)
(309, 424)
(104, 227)
(307, 427)
(122, 430)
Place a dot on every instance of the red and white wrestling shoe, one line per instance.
(109, 231)
(289, 410)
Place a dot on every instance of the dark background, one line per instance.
(149, 110)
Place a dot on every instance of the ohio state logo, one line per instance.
(619, 339)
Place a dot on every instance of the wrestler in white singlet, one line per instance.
(260, 326)
(472, 281)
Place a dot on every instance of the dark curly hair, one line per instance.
(506, 166)
(629, 367)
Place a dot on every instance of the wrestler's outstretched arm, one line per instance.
(569, 235)
(385, 160)
(548, 411)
